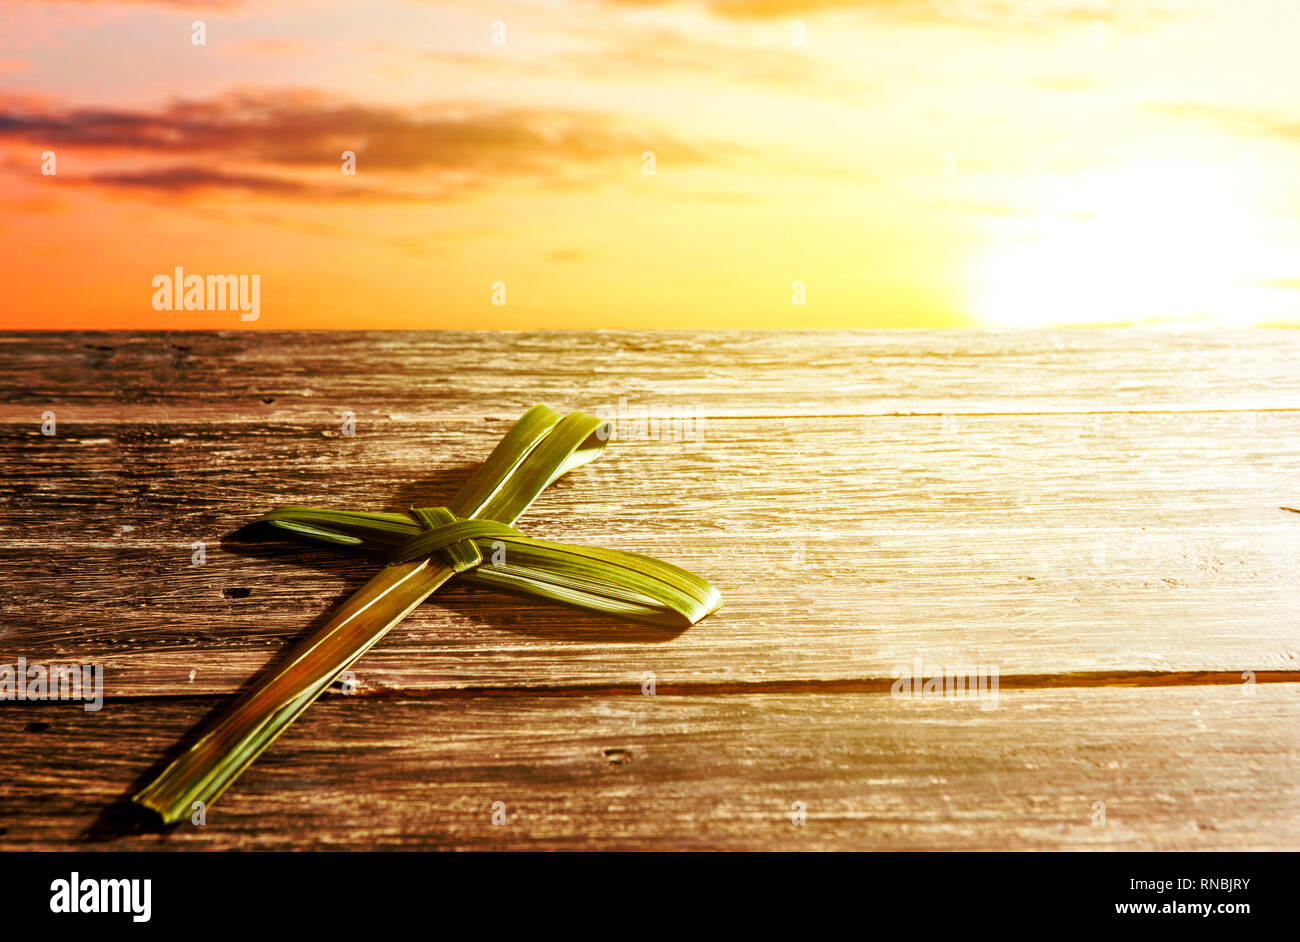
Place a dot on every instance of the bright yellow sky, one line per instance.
(911, 163)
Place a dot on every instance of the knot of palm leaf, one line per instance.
(473, 537)
(450, 536)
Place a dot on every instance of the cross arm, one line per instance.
(612, 582)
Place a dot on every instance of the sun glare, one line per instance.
(1140, 244)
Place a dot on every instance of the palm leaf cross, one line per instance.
(426, 548)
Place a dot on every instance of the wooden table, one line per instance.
(1094, 514)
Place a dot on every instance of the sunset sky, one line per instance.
(913, 163)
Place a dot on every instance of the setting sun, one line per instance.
(1160, 242)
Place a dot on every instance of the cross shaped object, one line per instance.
(427, 547)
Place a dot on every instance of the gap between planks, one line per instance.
(1078, 679)
(150, 415)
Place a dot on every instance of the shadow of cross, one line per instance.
(427, 547)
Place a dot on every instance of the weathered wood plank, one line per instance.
(1039, 543)
(904, 470)
(1178, 769)
(312, 376)
(200, 622)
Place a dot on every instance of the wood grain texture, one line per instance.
(1182, 768)
(1048, 543)
(1087, 508)
(220, 376)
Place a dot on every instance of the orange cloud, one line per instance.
(261, 139)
